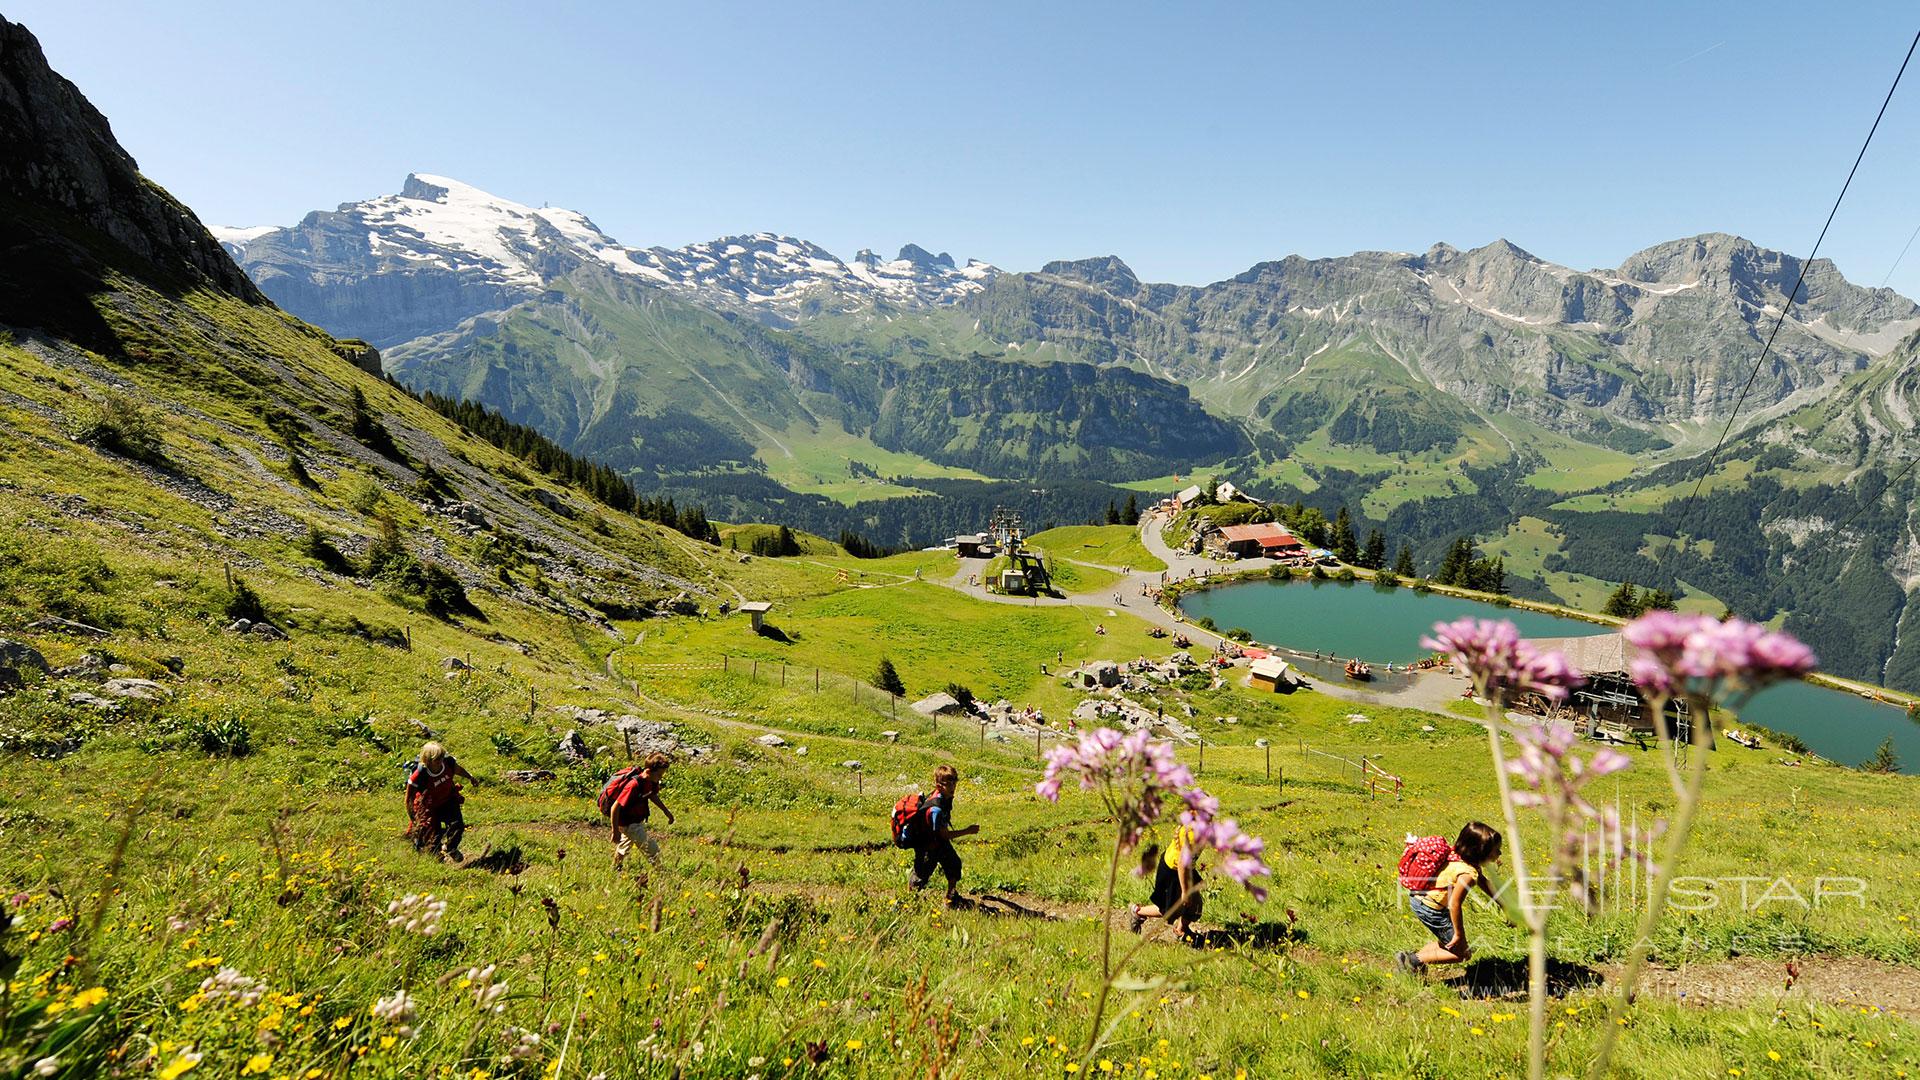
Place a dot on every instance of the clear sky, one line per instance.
(1192, 140)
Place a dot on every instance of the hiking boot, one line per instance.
(454, 856)
(1135, 921)
(1408, 963)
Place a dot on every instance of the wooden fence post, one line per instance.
(755, 674)
(783, 676)
(724, 669)
(816, 680)
(1036, 742)
(1283, 779)
(530, 703)
(1269, 752)
(1203, 758)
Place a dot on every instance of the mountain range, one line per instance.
(1555, 414)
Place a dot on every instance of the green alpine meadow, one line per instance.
(440, 641)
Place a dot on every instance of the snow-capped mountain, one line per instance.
(394, 268)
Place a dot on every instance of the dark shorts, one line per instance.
(936, 852)
(1431, 917)
(1166, 892)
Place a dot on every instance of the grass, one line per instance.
(771, 941)
(818, 464)
(1104, 545)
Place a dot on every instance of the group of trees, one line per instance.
(771, 545)
(1464, 567)
(601, 482)
(1116, 516)
(1627, 603)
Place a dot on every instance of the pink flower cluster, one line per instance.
(1496, 657)
(1135, 775)
(1703, 655)
(1551, 777)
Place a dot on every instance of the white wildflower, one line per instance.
(230, 986)
(486, 991)
(47, 1066)
(397, 1010)
(416, 913)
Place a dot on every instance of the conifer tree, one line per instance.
(1374, 557)
(1344, 544)
(1624, 603)
(888, 679)
(1403, 562)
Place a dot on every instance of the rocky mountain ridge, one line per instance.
(402, 266)
(1665, 339)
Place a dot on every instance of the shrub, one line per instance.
(1317, 574)
(362, 493)
(961, 694)
(244, 603)
(321, 550)
(1204, 622)
(298, 470)
(368, 429)
(1345, 573)
(1240, 633)
(226, 737)
(120, 424)
(886, 678)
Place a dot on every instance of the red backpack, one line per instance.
(1423, 860)
(906, 819)
(616, 788)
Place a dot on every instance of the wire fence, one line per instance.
(1258, 761)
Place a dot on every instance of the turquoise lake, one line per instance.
(1358, 620)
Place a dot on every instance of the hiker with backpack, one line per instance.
(434, 821)
(1437, 876)
(925, 824)
(627, 801)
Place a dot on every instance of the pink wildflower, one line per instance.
(1703, 655)
(1496, 657)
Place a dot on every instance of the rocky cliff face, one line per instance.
(71, 201)
(1668, 337)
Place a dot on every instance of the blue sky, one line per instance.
(1191, 140)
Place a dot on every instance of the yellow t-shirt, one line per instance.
(1182, 836)
(1443, 882)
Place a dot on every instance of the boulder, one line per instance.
(17, 661)
(649, 736)
(800, 751)
(267, 632)
(890, 736)
(854, 765)
(91, 665)
(138, 689)
(239, 626)
(526, 776)
(574, 749)
(770, 739)
(453, 663)
(92, 701)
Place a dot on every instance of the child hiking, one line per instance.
(1176, 877)
(627, 800)
(1437, 878)
(928, 830)
(434, 821)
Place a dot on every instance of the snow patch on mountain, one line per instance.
(236, 238)
(436, 222)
